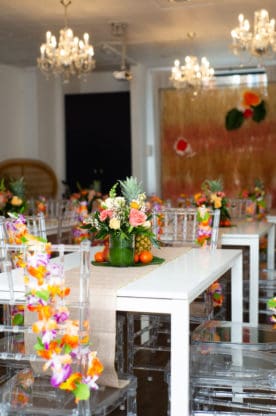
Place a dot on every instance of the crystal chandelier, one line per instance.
(192, 74)
(261, 41)
(70, 56)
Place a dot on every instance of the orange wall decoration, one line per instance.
(209, 150)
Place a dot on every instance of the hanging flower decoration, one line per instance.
(251, 107)
(271, 304)
(58, 340)
(215, 290)
(183, 148)
(204, 226)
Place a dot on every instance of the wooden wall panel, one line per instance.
(237, 157)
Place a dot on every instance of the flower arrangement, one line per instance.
(41, 204)
(123, 216)
(213, 196)
(84, 200)
(12, 196)
(58, 339)
(258, 198)
(251, 106)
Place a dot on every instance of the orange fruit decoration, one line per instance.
(136, 258)
(146, 257)
(99, 256)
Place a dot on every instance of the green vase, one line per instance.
(121, 251)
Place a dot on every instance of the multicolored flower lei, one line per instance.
(271, 304)
(215, 290)
(204, 226)
(59, 342)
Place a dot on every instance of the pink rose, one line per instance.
(106, 213)
(136, 217)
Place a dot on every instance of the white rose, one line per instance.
(147, 224)
(108, 203)
(119, 201)
(114, 224)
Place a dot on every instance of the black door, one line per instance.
(98, 139)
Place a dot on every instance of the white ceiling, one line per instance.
(157, 29)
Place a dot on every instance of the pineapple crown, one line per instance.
(17, 187)
(131, 188)
(214, 185)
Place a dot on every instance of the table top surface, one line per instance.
(183, 278)
(245, 229)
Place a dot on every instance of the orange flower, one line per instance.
(72, 340)
(71, 383)
(251, 99)
(96, 367)
(38, 272)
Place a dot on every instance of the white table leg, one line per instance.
(180, 358)
(271, 248)
(237, 291)
(254, 281)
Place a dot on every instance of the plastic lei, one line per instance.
(58, 341)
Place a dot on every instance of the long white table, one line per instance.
(245, 233)
(170, 289)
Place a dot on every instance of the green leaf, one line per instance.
(39, 345)
(234, 119)
(43, 294)
(67, 349)
(259, 112)
(18, 319)
(82, 392)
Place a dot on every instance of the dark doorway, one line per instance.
(98, 139)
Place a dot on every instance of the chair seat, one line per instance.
(28, 394)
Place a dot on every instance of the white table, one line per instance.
(170, 289)
(248, 234)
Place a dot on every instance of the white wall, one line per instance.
(32, 118)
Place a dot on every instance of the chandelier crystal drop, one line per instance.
(261, 41)
(70, 56)
(192, 74)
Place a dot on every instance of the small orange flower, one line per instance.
(96, 367)
(251, 99)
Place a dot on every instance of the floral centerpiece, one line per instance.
(213, 196)
(84, 201)
(258, 197)
(12, 196)
(123, 218)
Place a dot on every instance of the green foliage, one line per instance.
(259, 112)
(234, 119)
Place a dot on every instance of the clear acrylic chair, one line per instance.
(28, 390)
(68, 218)
(151, 332)
(230, 380)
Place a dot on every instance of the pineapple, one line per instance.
(131, 189)
(142, 242)
(17, 187)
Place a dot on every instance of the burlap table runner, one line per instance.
(104, 283)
